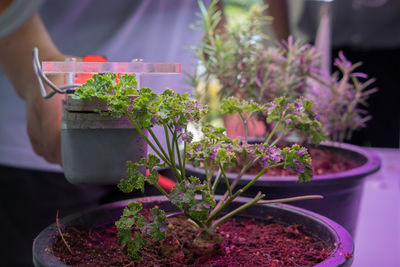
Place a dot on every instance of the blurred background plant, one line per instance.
(234, 61)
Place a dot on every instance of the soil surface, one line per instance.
(245, 243)
(323, 162)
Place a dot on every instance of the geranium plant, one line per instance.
(246, 68)
(214, 150)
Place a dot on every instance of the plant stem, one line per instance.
(184, 160)
(181, 164)
(257, 198)
(165, 193)
(158, 143)
(226, 180)
(279, 138)
(171, 155)
(170, 152)
(206, 170)
(212, 170)
(224, 204)
(289, 199)
(242, 171)
(216, 181)
(175, 144)
(167, 140)
(272, 132)
(143, 135)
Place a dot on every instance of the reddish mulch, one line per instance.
(323, 162)
(245, 243)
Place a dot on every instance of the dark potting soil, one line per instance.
(324, 161)
(245, 243)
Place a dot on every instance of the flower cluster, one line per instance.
(299, 115)
(168, 108)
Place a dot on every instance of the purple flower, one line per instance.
(162, 228)
(265, 161)
(272, 106)
(301, 152)
(187, 137)
(275, 158)
(214, 153)
(298, 105)
(274, 154)
(298, 167)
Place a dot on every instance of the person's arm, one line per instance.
(280, 24)
(43, 116)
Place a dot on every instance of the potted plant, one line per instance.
(202, 214)
(245, 68)
(95, 148)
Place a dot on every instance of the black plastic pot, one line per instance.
(322, 228)
(342, 191)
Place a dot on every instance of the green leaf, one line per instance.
(132, 219)
(127, 220)
(183, 196)
(153, 177)
(134, 247)
(157, 228)
(134, 180)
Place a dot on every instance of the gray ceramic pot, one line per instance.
(95, 147)
(322, 228)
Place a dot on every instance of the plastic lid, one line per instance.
(110, 67)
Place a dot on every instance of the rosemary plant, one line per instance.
(247, 69)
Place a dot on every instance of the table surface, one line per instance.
(377, 239)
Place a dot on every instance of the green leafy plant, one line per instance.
(214, 150)
(237, 57)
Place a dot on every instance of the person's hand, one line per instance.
(43, 115)
(44, 121)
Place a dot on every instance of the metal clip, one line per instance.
(41, 77)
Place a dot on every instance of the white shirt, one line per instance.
(121, 30)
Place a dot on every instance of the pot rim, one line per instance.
(343, 242)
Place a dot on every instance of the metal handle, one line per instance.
(41, 77)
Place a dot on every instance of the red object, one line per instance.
(83, 77)
(164, 182)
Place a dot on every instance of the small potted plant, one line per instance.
(201, 234)
(95, 148)
(247, 69)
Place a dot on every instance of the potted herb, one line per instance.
(246, 69)
(145, 234)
